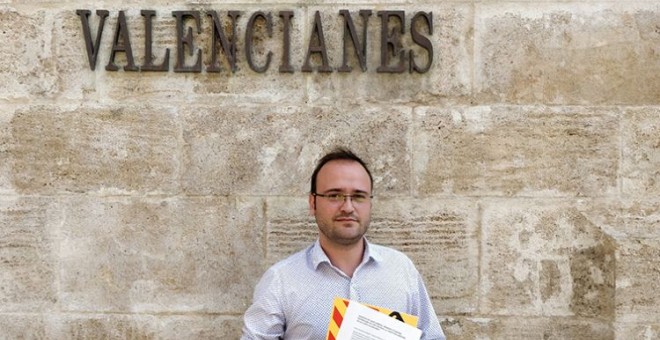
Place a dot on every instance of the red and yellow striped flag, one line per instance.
(340, 305)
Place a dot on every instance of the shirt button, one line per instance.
(353, 293)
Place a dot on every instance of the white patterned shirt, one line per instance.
(294, 298)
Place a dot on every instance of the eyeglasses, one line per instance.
(341, 198)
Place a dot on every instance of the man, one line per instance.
(293, 300)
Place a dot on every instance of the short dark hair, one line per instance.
(339, 154)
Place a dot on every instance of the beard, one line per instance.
(343, 230)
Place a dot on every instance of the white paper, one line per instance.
(363, 323)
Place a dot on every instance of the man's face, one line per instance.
(344, 222)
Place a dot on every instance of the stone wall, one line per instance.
(521, 172)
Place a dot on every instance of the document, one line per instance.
(361, 322)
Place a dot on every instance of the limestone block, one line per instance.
(142, 326)
(5, 141)
(104, 326)
(567, 53)
(138, 84)
(94, 149)
(22, 326)
(256, 150)
(545, 258)
(641, 152)
(516, 328)
(201, 327)
(624, 218)
(638, 280)
(637, 331)
(160, 255)
(448, 77)
(441, 237)
(27, 262)
(525, 151)
(75, 80)
(27, 67)
(290, 225)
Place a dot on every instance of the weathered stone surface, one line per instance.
(545, 258)
(272, 86)
(204, 327)
(75, 80)
(516, 328)
(273, 150)
(108, 326)
(519, 173)
(144, 327)
(27, 259)
(116, 149)
(160, 255)
(567, 53)
(441, 237)
(26, 65)
(290, 225)
(625, 218)
(22, 326)
(641, 151)
(449, 74)
(537, 151)
(638, 280)
(637, 331)
(5, 142)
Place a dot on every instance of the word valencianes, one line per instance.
(394, 56)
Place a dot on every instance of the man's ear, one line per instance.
(312, 204)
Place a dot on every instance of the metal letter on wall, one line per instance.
(421, 41)
(92, 48)
(121, 31)
(320, 48)
(228, 46)
(391, 43)
(182, 42)
(360, 48)
(285, 66)
(249, 40)
(148, 42)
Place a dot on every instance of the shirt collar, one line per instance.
(318, 256)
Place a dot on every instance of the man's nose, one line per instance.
(347, 205)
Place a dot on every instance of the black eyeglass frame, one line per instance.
(339, 197)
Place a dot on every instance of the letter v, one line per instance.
(92, 48)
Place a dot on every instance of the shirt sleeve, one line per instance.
(428, 320)
(264, 319)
